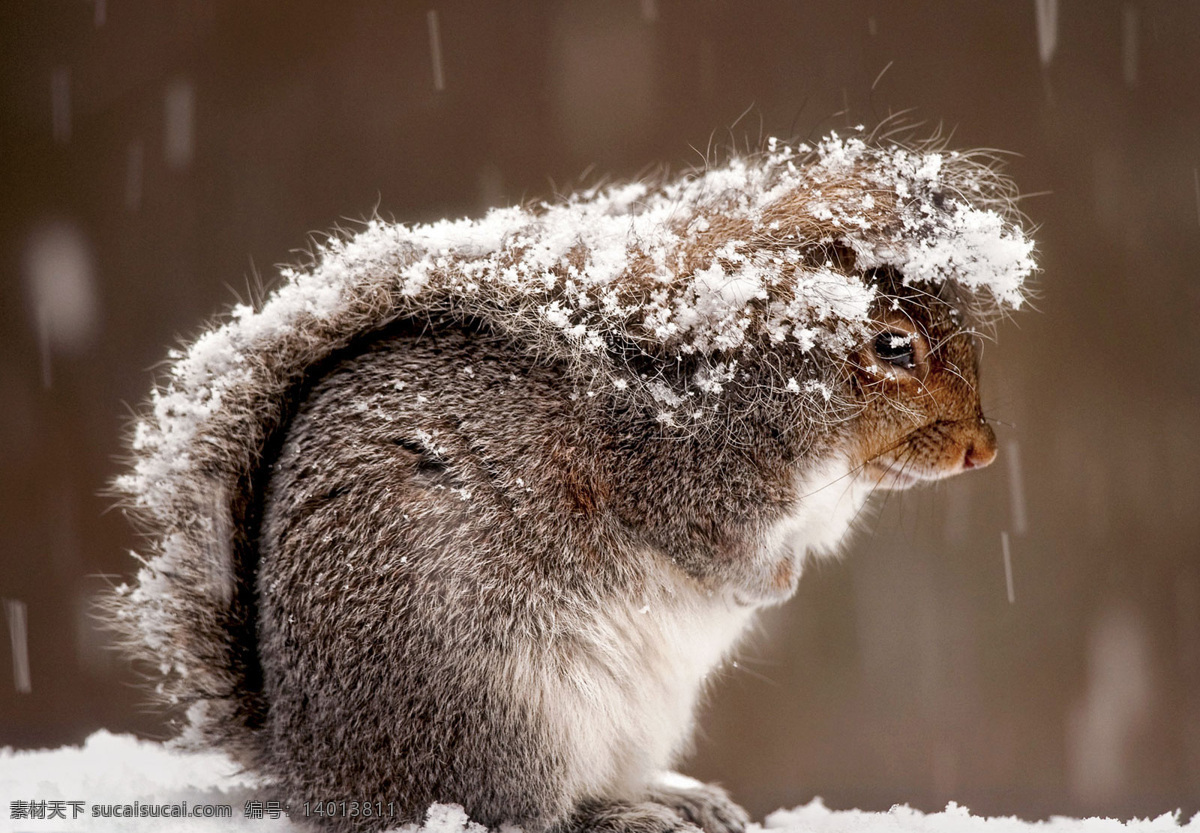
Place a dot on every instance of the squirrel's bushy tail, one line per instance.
(195, 491)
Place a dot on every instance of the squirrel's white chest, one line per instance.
(622, 692)
(830, 499)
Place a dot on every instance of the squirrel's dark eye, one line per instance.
(896, 349)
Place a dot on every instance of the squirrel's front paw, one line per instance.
(704, 805)
(627, 817)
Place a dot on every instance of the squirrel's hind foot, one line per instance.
(686, 807)
(705, 805)
(626, 817)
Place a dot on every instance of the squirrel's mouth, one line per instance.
(900, 474)
(895, 475)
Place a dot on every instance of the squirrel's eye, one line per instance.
(896, 349)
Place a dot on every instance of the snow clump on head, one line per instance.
(714, 270)
(717, 264)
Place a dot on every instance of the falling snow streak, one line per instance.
(60, 104)
(1008, 577)
(650, 10)
(179, 104)
(1129, 44)
(1109, 720)
(1047, 29)
(99, 13)
(435, 50)
(60, 286)
(14, 612)
(1016, 488)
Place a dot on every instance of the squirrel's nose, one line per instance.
(981, 447)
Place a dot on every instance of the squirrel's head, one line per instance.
(915, 384)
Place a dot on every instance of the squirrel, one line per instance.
(471, 512)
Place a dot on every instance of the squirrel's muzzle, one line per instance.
(935, 451)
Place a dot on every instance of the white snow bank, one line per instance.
(43, 790)
(815, 817)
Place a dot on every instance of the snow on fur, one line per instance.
(120, 770)
(735, 266)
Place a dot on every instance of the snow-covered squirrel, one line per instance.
(469, 512)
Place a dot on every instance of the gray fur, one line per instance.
(412, 541)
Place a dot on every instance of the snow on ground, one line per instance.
(84, 788)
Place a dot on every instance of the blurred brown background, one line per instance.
(158, 156)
